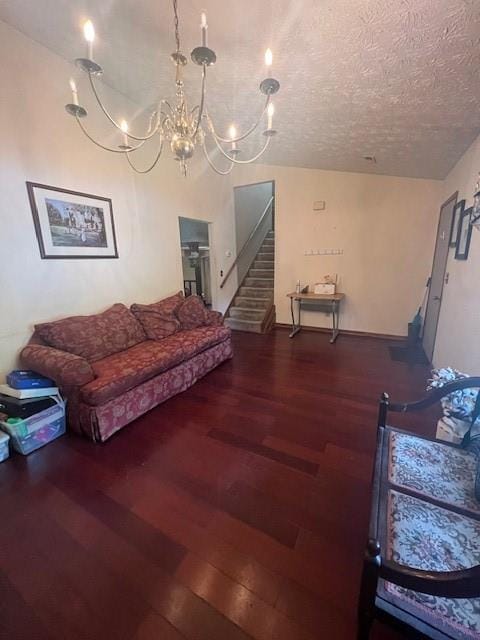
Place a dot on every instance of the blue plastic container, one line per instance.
(4, 450)
(37, 430)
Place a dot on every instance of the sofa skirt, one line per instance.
(101, 422)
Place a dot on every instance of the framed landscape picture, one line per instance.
(464, 235)
(70, 224)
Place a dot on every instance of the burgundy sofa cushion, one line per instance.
(213, 318)
(127, 369)
(67, 369)
(123, 371)
(197, 340)
(94, 337)
(192, 313)
(158, 319)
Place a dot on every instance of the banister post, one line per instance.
(383, 409)
(368, 589)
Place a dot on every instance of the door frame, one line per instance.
(211, 245)
(453, 198)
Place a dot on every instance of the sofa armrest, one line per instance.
(67, 369)
(213, 318)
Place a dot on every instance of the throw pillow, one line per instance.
(158, 319)
(192, 313)
(94, 337)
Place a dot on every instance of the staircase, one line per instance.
(252, 308)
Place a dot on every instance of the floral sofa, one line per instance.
(114, 366)
(422, 561)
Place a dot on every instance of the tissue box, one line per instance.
(325, 289)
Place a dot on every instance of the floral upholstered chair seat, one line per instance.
(425, 536)
(434, 470)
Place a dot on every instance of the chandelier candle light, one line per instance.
(183, 128)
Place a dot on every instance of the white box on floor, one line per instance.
(4, 446)
(452, 430)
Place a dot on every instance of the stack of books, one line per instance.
(25, 394)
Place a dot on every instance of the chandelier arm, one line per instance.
(102, 146)
(152, 166)
(234, 161)
(114, 122)
(202, 100)
(210, 162)
(243, 136)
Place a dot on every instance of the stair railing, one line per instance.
(249, 239)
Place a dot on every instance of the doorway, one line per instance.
(195, 248)
(437, 278)
(254, 207)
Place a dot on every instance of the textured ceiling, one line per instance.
(394, 79)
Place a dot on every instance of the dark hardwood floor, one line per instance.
(236, 510)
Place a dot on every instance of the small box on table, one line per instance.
(324, 288)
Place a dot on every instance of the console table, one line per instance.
(331, 301)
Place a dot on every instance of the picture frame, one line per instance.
(475, 220)
(457, 216)
(464, 235)
(71, 224)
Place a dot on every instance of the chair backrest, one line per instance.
(467, 438)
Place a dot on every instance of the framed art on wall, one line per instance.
(475, 221)
(464, 235)
(457, 216)
(70, 224)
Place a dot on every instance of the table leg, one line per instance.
(295, 327)
(335, 314)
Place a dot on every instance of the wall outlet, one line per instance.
(319, 205)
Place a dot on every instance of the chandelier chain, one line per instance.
(175, 22)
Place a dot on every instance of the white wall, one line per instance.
(386, 227)
(41, 143)
(458, 335)
(250, 202)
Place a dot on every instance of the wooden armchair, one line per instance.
(422, 560)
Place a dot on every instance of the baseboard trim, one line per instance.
(345, 332)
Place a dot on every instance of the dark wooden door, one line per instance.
(438, 275)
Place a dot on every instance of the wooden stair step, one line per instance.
(246, 313)
(253, 326)
(251, 303)
(260, 273)
(261, 283)
(253, 292)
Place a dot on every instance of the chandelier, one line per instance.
(182, 128)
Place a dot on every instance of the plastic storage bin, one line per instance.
(4, 450)
(37, 430)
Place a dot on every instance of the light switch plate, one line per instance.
(319, 205)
